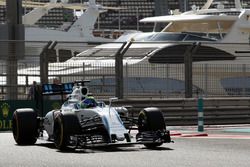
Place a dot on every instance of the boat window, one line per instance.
(135, 37)
(143, 37)
(125, 37)
(167, 37)
(204, 36)
(197, 38)
(217, 35)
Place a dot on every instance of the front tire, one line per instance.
(65, 125)
(151, 120)
(25, 126)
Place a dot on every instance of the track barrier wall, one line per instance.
(176, 111)
(183, 111)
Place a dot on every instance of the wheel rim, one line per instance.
(142, 122)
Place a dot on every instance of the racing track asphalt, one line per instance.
(186, 151)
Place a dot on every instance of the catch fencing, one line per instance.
(45, 61)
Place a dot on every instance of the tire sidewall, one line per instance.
(59, 133)
(25, 126)
(152, 118)
(65, 125)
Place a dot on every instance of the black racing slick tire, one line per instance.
(25, 126)
(65, 125)
(151, 119)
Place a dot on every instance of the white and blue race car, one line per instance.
(84, 122)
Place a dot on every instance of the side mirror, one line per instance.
(111, 100)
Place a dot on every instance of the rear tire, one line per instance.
(25, 126)
(65, 125)
(151, 119)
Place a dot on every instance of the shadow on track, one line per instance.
(101, 149)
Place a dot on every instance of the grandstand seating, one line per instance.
(127, 18)
(133, 10)
(2, 14)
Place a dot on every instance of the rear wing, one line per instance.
(61, 89)
(55, 89)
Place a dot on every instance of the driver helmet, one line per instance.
(88, 102)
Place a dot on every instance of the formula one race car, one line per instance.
(82, 122)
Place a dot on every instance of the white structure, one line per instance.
(223, 36)
(79, 31)
(215, 28)
(216, 32)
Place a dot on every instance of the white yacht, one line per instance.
(223, 37)
(77, 37)
(74, 39)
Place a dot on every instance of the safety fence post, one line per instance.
(15, 49)
(119, 69)
(200, 115)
